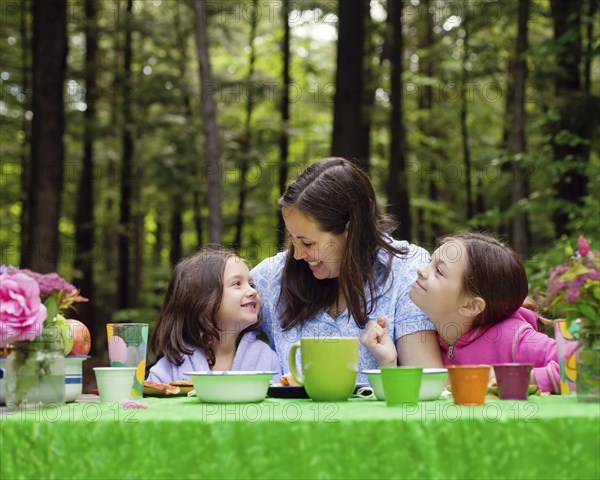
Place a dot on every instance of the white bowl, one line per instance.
(230, 387)
(376, 383)
(74, 377)
(432, 383)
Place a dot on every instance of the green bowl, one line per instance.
(230, 387)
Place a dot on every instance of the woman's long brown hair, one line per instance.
(336, 193)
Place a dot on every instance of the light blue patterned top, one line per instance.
(402, 316)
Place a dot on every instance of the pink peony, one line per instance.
(22, 312)
(583, 246)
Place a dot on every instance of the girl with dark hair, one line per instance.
(342, 273)
(208, 320)
(475, 290)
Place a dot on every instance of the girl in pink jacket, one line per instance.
(473, 291)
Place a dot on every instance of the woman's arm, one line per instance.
(420, 349)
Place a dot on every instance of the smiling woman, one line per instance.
(342, 274)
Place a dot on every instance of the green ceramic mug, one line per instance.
(329, 366)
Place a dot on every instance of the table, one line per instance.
(544, 437)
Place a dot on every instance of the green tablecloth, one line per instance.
(544, 437)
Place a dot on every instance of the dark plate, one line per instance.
(287, 392)
(297, 392)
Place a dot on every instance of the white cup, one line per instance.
(114, 383)
(74, 377)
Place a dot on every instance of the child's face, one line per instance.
(240, 301)
(322, 251)
(438, 288)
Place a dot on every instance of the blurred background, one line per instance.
(135, 132)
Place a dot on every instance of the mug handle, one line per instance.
(292, 362)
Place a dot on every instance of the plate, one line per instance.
(152, 392)
(286, 392)
(532, 389)
(280, 391)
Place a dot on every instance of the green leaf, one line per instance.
(588, 312)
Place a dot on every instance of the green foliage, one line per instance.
(169, 170)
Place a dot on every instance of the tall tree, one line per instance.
(428, 226)
(464, 129)
(209, 122)
(397, 186)
(575, 117)
(246, 139)
(349, 83)
(517, 143)
(183, 60)
(285, 116)
(125, 224)
(25, 125)
(84, 214)
(47, 150)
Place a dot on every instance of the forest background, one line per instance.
(135, 132)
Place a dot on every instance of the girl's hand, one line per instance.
(377, 340)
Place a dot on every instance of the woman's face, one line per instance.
(322, 251)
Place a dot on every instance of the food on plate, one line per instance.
(182, 383)
(165, 388)
(287, 380)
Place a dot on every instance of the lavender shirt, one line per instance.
(251, 355)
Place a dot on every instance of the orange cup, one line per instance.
(469, 383)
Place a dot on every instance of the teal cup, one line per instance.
(401, 385)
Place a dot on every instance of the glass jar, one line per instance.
(588, 364)
(35, 374)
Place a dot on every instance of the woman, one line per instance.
(342, 274)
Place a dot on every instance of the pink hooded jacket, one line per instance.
(515, 339)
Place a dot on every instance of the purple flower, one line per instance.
(583, 246)
(22, 312)
(50, 282)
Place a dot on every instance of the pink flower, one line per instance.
(583, 246)
(22, 312)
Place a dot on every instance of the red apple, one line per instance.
(82, 340)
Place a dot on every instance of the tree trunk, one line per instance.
(576, 117)
(285, 117)
(589, 51)
(84, 215)
(246, 140)
(176, 250)
(213, 166)
(26, 173)
(47, 150)
(518, 146)
(371, 82)
(349, 88)
(125, 224)
(427, 225)
(138, 247)
(464, 130)
(197, 205)
(397, 186)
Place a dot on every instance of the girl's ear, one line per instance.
(472, 306)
